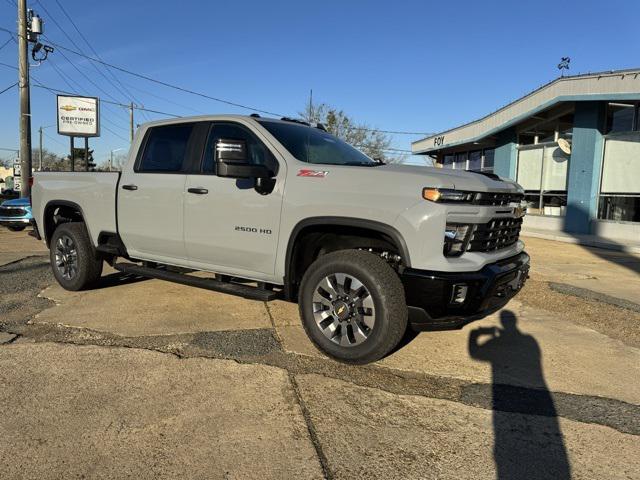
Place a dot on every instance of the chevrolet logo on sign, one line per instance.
(68, 108)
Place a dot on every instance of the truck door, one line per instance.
(151, 194)
(229, 227)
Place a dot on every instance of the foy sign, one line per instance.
(78, 116)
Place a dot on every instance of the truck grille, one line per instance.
(497, 199)
(12, 212)
(494, 235)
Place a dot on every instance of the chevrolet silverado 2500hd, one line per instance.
(282, 209)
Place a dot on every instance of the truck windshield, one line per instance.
(312, 145)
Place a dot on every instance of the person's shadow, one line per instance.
(528, 442)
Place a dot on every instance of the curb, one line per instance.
(591, 295)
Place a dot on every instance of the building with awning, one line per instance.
(574, 146)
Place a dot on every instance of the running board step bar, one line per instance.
(245, 291)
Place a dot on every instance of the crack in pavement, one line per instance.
(262, 346)
(313, 435)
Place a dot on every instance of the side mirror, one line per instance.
(232, 160)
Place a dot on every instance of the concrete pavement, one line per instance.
(156, 380)
(78, 412)
(378, 435)
(17, 245)
(616, 274)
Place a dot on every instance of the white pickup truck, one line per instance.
(282, 209)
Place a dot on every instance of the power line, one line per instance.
(54, 139)
(10, 39)
(201, 112)
(127, 92)
(135, 107)
(165, 84)
(64, 32)
(40, 85)
(78, 87)
(84, 74)
(8, 88)
(8, 66)
(200, 94)
(393, 132)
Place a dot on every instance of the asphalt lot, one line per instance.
(155, 380)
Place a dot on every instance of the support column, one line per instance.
(585, 165)
(506, 154)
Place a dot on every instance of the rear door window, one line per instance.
(166, 149)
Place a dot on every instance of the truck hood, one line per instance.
(447, 178)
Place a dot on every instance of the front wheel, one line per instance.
(16, 229)
(352, 306)
(73, 261)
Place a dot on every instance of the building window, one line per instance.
(542, 172)
(487, 160)
(620, 187)
(475, 161)
(447, 161)
(461, 161)
(621, 117)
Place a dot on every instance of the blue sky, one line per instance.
(405, 65)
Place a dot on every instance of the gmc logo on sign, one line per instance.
(312, 173)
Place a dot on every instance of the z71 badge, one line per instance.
(312, 173)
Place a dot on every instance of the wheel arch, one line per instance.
(72, 211)
(335, 226)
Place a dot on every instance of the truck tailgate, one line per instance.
(93, 192)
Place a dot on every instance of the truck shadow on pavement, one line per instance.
(117, 279)
(528, 442)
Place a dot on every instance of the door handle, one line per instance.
(129, 187)
(198, 191)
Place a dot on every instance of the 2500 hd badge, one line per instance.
(264, 231)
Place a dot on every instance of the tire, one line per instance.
(16, 229)
(375, 319)
(72, 257)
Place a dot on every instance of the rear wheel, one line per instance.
(352, 306)
(16, 229)
(72, 257)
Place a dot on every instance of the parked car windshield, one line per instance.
(312, 145)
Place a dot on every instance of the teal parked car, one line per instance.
(15, 214)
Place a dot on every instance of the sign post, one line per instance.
(78, 117)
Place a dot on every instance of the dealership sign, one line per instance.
(78, 116)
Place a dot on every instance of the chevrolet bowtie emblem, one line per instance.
(67, 108)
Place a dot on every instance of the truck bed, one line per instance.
(93, 192)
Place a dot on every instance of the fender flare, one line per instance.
(379, 227)
(55, 204)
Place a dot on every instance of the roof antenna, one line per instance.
(564, 65)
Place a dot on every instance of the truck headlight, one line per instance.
(456, 238)
(446, 195)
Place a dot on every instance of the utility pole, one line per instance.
(131, 126)
(30, 27)
(40, 130)
(41, 151)
(25, 100)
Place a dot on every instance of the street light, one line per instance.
(111, 157)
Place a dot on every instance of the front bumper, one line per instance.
(430, 294)
(14, 222)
